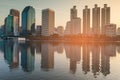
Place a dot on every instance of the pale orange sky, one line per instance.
(61, 8)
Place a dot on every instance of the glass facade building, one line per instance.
(9, 25)
(28, 20)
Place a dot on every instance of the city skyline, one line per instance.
(61, 11)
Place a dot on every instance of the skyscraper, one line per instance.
(86, 20)
(28, 20)
(73, 13)
(15, 13)
(96, 19)
(48, 22)
(105, 18)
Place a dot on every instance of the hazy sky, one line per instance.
(61, 8)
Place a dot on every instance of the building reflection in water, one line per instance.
(86, 58)
(118, 49)
(11, 53)
(73, 52)
(105, 59)
(47, 56)
(107, 51)
(27, 57)
(58, 47)
(95, 57)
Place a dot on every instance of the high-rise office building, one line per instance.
(15, 13)
(96, 19)
(48, 22)
(73, 13)
(86, 20)
(28, 20)
(105, 18)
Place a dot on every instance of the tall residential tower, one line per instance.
(105, 18)
(73, 27)
(96, 19)
(86, 20)
(73, 13)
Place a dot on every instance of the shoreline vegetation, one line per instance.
(74, 38)
(68, 38)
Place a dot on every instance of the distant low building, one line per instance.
(38, 30)
(118, 31)
(60, 30)
(110, 30)
(68, 28)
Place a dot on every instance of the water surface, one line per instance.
(59, 61)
